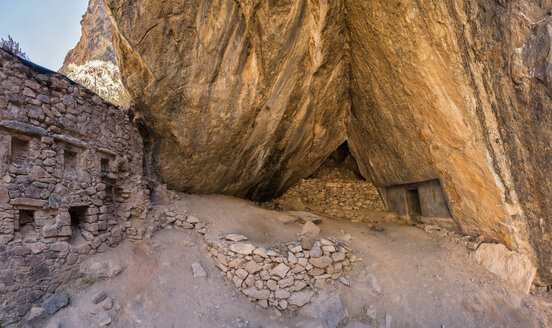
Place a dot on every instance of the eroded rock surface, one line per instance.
(247, 97)
(95, 41)
(459, 91)
(242, 97)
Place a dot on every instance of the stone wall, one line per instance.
(71, 181)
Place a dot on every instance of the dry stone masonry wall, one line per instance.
(285, 277)
(70, 170)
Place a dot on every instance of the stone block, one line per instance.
(91, 210)
(92, 227)
(49, 231)
(63, 218)
(65, 231)
(102, 225)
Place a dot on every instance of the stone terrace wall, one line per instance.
(71, 182)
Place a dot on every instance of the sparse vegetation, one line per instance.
(103, 78)
(13, 46)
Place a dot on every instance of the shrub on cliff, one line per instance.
(103, 78)
(13, 46)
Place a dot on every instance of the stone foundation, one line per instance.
(71, 181)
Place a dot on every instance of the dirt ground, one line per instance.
(425, 280)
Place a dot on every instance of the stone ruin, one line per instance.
(286, 276)
(71, 181)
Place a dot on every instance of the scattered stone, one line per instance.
(345, 281)
(198, 271)
(192, 219)
(235, 237)
(107, 304)
(54, 303)
(241, 248)
(99, 297)
(310, 230)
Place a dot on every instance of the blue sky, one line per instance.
(45, 29)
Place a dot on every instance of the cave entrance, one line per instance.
(340, 164)
(336, 189)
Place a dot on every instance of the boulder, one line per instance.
(232, 115)
(511, 266)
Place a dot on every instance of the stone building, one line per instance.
(70, 181)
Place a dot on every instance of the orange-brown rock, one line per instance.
(459, 91)
(95, 41)
(242, 97)
(246, 97)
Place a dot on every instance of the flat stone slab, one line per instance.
(54, 303)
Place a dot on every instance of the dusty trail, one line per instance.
(425, 280)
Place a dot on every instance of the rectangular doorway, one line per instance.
(413, 208)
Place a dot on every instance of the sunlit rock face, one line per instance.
(243, 97)
(246, 97)
(459, 90)
(95, 41)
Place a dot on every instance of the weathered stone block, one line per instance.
(92, 227)
(65, 231)
(49, 231)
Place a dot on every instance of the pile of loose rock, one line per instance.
(285, 277)
(171, 218)
(338, 198)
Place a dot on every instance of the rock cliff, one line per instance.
(459, 91)
(243, 97)
(95, 41)
(246, 97)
